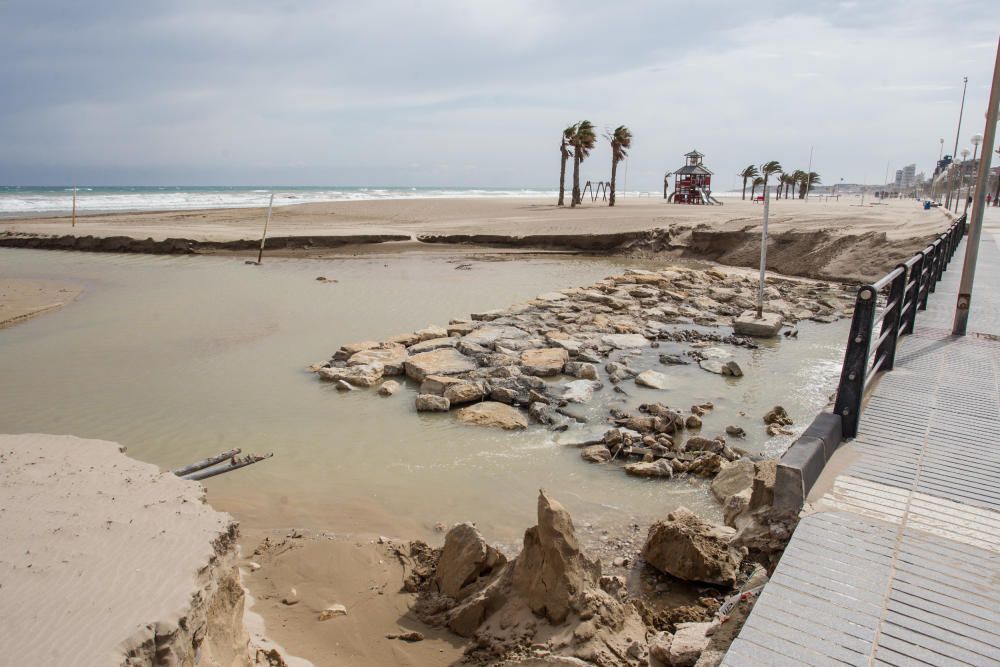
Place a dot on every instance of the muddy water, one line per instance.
(179, 357)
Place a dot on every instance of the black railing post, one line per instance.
(913, 294)
(851, 390)
(890, 322)
(935, 268)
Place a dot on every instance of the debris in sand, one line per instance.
(331, 611)
(411, 636)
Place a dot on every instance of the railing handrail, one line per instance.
(909, 284)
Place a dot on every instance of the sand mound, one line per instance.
(106, 560)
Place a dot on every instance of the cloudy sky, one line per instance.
(475, 93)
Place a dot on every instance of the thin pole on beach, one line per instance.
(954, 152)
(260, 255)
(763, 258)
(964, 301)
(73, 224)
(809, 174)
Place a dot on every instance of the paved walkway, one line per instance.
(900, 562)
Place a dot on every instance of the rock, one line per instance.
(436, 384)
(391, 357)
(350, 349)
(625, 341)
(733, 478)
(552, 296)
(659, 647)
(344, 386)
(706, 465)
(652, 379)
(734, 506)
(697, 443)
(747, 324)
(543, 413)
(735, 431)
(331, 611)
(580, 369)
(690, 639)
(430, 333)
(596, 454)
(660, 468)
(488, 335)
(777, 415)
(544, 362)
(774, 430)
(465, 560)
(762, 494)
(578, 391)
(672, 360)
(443, 361)
(688, 547)
(552, 574)
(732, 369)
(491, 413)
(388, 388)
(432, 403)
(364, 375)
(433, 344)
(693, 421)
(410, 636)
(464, 392)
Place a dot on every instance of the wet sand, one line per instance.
(21, 299)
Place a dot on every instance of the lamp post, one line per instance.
(936, 165)
(961, 176)
(958, 131)
(976, 140)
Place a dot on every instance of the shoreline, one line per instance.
(827, 240)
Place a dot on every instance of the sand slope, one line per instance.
(104, 558)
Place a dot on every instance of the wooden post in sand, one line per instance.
(763, 258)
(74, 207)
(260, 255)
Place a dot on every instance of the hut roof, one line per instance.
(693, 154)
(693, 169)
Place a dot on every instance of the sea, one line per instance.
(24, 201)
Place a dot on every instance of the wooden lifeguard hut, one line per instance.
(693, 182)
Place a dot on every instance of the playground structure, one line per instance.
(692, 183)
(603, 191)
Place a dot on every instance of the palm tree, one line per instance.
(781, 185)
(583, 141)
(621, 141)
(767, 169)
(797, 176)
(757, 180)
(788, 183)
(749, 172)
(807, 182)
(567, 136)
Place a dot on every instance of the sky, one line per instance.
(459, 93)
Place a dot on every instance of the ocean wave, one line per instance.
(21, 201)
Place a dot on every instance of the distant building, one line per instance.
(908, 176)
(899, 178)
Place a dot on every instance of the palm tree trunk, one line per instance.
(576, 180)
(745, 189)
(614, 171)
(753, 191)
(562, 176)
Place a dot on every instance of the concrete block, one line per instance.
(766, 326)
(827, 427)
(797, 471)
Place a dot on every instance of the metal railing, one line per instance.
(902, 292)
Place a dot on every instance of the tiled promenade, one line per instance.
(900, 562)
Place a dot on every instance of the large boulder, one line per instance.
(489, 334)
(348, 350)
(465, 561)
(552, 574)
(437, 384)
(433, 344)
(690, 639)
(733, 478)
(652, 379)
(391, 357)
(464, 392)
(491, 413)
(545, 361)
(432, 403)
(365, 375)
(625, 341)
(443, 361)
(690, 548)
(578, 391)
(659, 468)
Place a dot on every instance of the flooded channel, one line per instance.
(181, 357)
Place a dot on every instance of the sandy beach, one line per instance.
(822, 238)
(21, 299)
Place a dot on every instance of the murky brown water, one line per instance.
(179, 357)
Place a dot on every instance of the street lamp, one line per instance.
(961, 176)
(976, 140)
